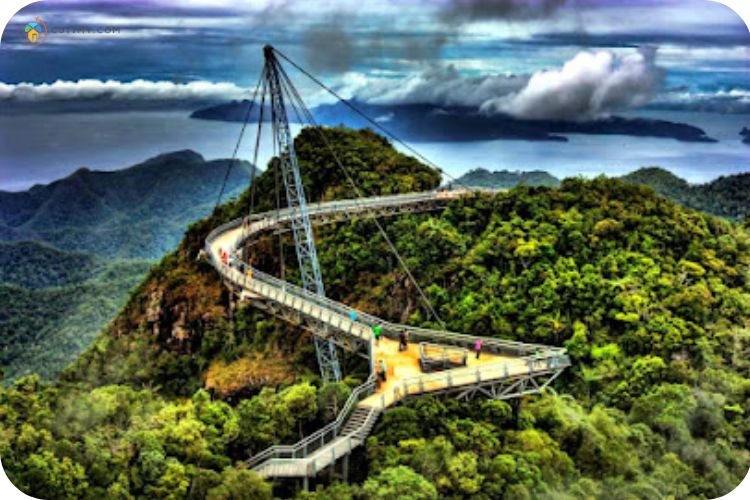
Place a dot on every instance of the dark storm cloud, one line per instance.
(458, 11)
(338, 44)
(330, 47)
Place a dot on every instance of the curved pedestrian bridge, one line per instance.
(505, 369)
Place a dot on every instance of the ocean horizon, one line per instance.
(41, 148)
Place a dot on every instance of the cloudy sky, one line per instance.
(568, 59)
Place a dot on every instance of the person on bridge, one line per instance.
(353, 315)
(383, 370)
(224, 256)
(377, 331)
(478, 347)
(403, 341)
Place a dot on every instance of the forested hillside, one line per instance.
(651, 299)
(79, 245)
(55, 302)
(138, 212)
(727, 196)
(481, 177)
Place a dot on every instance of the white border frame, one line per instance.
(8, 8)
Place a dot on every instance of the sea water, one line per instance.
(40, 148)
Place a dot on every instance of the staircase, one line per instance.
(507, 369)
(359, 424)
(353, 434)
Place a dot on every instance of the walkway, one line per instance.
(505, 369)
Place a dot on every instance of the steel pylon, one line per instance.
(304, 241)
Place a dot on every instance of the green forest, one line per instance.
(651, 300)
(55, 303)
(71, 251)
(725, 196)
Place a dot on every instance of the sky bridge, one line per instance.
(431, 362)
(505, 369)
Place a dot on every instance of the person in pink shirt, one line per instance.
(478, 347)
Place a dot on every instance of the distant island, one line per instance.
(480, 177)
(745, 133)
(427, 122)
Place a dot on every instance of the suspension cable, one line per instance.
(295, 96)
(370, 120)
(257, 142)
(239, 142)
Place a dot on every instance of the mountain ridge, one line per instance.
(107, 212)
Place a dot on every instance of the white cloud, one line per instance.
(112, 90)
(441, 85)
(723, 101)
(589, 86)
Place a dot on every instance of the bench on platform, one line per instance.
(435, 357)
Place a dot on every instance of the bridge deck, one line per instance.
(505, 369)
(404, 365)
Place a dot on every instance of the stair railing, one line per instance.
(319, 438)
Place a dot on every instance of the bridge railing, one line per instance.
(465, 377)
(416, 334)
(319, 438)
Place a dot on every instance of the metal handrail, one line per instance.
(274, 218)
(319, 438)
(461, 377)
(532, 364)
(340, 316)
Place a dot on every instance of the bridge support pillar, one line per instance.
(345, 468)
(305, 484)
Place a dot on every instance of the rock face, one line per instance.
(153, 310)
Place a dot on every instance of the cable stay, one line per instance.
(276, 94)
(238, 144)
(370, 120)
(298, 102)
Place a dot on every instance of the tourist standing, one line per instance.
(377, 331)
(402, 341)
(383, 370)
